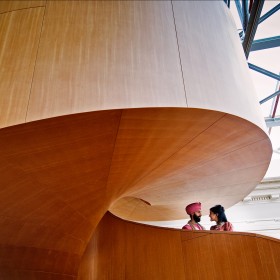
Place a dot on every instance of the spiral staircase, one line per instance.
(117, 112)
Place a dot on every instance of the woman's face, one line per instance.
(213, 217)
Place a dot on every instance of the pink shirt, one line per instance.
(191, 226)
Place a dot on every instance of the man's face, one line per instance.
(197, 216)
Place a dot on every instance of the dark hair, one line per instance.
(220, 212)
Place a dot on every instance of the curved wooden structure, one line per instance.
(136, 251)
(120, 106)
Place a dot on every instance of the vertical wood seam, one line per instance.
(116, 138)
(179, 54)
(35, 62)
(183, 255)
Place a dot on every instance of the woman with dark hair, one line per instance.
(217, 214)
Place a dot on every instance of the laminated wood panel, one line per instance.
(216, 168)
(213, 61)
(151, 255)
(147, 141)
(270, 258)
(19, 33)
(106, 54)
(125, 250)
(9, 6)
(59, 176)
(51, 199)
(222, 256)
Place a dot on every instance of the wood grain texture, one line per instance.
(132, 260)
(61, 175)
(146, 135)
(213, 60)
(95, 118)
(51, 200)
(199, 165)
(270, 258)
(106, 54)
(121, 54)
(10, 6)
(160, 253)
(19, 33)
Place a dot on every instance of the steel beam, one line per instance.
(245, 14)
(270, 96)
(269, 13)
(252, 26)
(227, 2)
(271, 122)
(239, 10)
(263, 71)
(265, 43)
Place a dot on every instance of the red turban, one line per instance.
(193, 207)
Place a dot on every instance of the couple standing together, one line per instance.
(217, 214)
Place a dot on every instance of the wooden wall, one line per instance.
(65, 57)
(126, 250)
(19, 32)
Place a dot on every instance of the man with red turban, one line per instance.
(194, 210)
